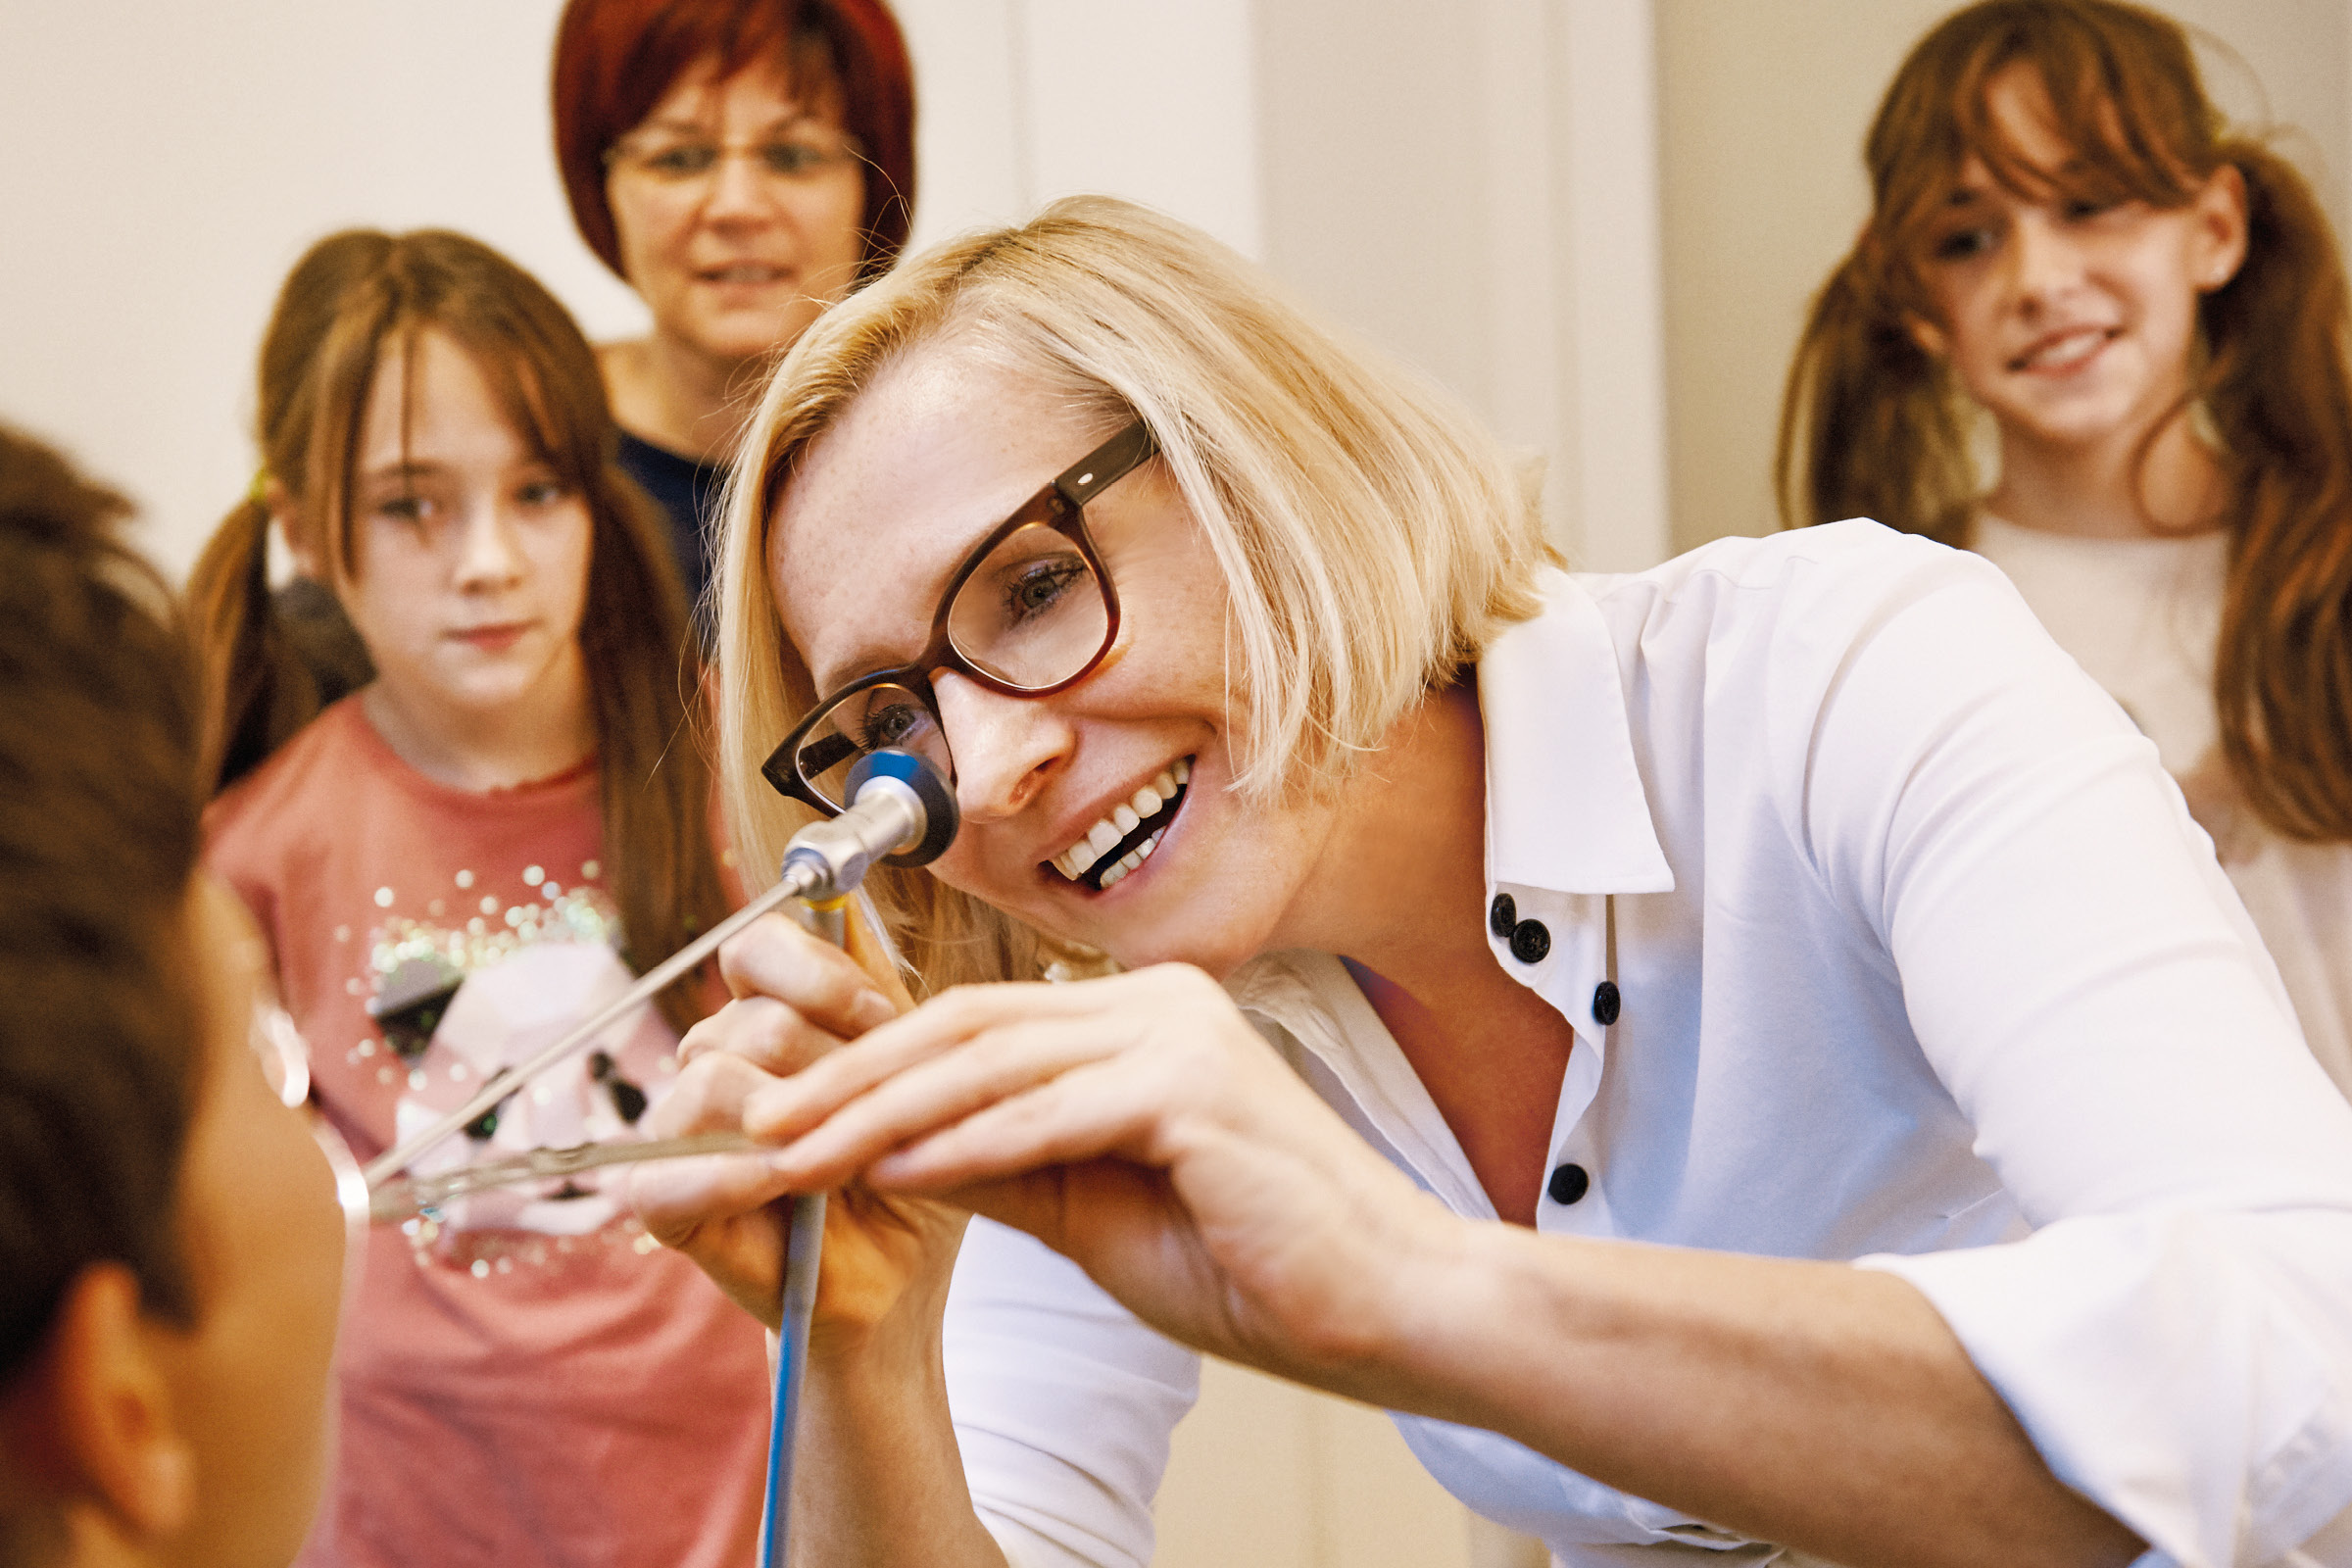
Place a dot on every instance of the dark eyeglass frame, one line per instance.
(1059, 505)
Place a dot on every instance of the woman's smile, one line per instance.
(2065, 350)
(1122, 838)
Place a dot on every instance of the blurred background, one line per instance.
(1597, 221)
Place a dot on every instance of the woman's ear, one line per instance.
(113, 1448)
(2218, 245)
(280, 504)
(1929, 336)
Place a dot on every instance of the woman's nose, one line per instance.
(1005, 748)
(2045, 261)
(488, 553)
(739, 190)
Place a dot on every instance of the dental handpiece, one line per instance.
(403, 1196)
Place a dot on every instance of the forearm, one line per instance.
(877, 1480)
(1823, 1406)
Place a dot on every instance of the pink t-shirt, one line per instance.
(530, 1380)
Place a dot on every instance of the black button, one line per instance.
(1606, 1003)
(1502, 915)
(1529, 942)
(1568, 1184)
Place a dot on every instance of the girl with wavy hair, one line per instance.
(2069, 252)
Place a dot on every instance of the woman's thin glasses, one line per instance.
(1030, 613)
(682, 162)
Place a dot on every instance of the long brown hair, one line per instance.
(349, 298)
(1870, 425)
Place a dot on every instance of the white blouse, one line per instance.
(2144, 618)
(1922, 964)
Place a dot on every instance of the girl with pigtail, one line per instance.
(2070, 250)
(451, 866)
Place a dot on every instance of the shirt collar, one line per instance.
(1565, 807)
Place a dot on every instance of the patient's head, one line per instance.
(170, 1247)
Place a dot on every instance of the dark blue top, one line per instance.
(689, 491)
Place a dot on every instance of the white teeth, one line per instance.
(1133, 858)
(1148, 801)
(2079, 344)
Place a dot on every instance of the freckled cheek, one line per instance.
(985, 871)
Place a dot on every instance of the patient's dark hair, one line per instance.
(99, 1012)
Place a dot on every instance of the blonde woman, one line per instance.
(1796, 905)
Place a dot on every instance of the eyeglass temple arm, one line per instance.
(1113, 460)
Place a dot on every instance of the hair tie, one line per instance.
(258, 492)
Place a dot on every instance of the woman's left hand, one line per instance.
(1140, 1126)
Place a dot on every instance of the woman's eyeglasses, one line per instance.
(688, 163)
(1030, 611)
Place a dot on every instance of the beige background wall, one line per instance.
(1763, 104)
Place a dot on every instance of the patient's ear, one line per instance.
(90, 1430)
(1929, 336)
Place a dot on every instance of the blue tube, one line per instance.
(804, 1247)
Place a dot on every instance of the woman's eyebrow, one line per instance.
(402, 469)
(862, 660)
(794, 120)
(682, 124)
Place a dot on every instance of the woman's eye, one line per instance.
(1962, 244)
(890, 724)
(2081, 208)
(681, 162)
(1039, 586)
(794, 157)
(405, 508)
(541, 493)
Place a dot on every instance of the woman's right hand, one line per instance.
(795, 998)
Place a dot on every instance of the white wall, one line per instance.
(1473, 188)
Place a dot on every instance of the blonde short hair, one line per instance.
(1372, 537)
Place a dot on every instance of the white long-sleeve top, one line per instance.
(1922, 965)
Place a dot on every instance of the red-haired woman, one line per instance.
(742, 165)
(2149, 309)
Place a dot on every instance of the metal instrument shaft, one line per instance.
(798, 881)
(404, 1196)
